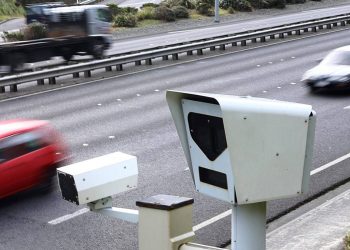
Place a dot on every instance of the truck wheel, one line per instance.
(17, 62)
(67, 56)
(66, 53)
(97, 50)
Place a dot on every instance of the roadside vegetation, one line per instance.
(346, 241)
(149, 14)
(172, 10)
(9, 9)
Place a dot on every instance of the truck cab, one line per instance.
(71, 30)
(38, 12)
(92, 21)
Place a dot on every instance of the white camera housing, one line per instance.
(98, 178)
(243, 149)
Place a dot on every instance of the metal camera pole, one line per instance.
(248, 226)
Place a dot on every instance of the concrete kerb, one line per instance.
(320, 224)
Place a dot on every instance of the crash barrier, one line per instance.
(238, 149)
(173, 51)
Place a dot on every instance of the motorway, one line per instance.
(129, 113)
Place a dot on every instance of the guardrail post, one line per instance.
(119, 67)
(175, 56)
(244, 43)
(13, 88)
(165, 222)
(342, 23)
(87, 73)
(262, 39)
(222, 46)
(2, 89)
(165, 58)
(314, 29)
(329, 26)
(149, 61)
(297, 32)
(138, 63)
(190, 53)
(281, 35)
(254, 40)
(40, 82)
(212, 48)
(272, 36)
(108, 68)
(52, 80)
(76, 75)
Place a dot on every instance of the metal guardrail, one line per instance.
(173, 50)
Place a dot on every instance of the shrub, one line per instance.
(151, 5)
(114, 9)
(189, 4)
(242, 5)
(296, 1)
(146, 13)
(13, 36)
(346, 241)
(180, 12)
(280, 4)
(231, 10)
(130, 10)
(30, 32)
(164, 13)
(205, 7)
(35, 31)
(125, 20)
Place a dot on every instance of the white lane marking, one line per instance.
(315, 171)
(347, 107)
(258, 65)
(293, 83)
(111, 137)
(85, 145)
(138, 95)
(68, 216)
(330, 164)
(168, 66)
(212, 220)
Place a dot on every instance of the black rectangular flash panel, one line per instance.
(212, 177)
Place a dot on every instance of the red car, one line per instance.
(30, 152)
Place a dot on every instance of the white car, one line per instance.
(333, 72)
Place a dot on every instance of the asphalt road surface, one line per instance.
(128, 113)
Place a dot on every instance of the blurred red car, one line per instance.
(30, 152)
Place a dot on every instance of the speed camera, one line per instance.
(244, 149)
(98, 178)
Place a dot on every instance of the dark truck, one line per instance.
(71, 30)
